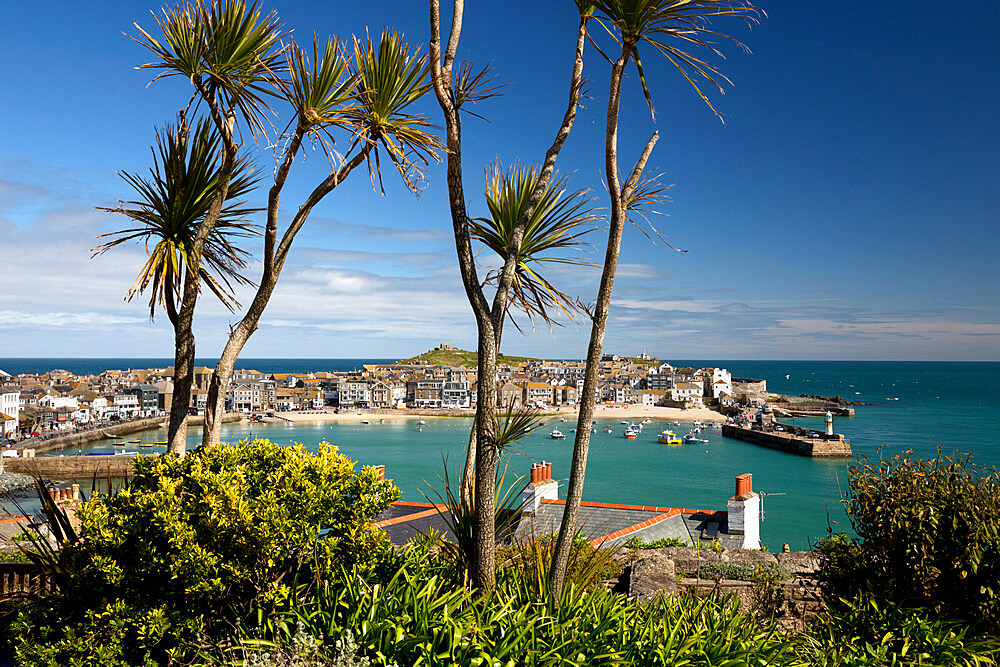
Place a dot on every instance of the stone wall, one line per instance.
(793, 602)
(836, 447)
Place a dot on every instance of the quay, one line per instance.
(72, 467)
(792, 439)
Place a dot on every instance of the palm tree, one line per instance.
(230, 53)
(557, 223)
(672, 28)
(173, 200)
(368, 97)
(454, 89)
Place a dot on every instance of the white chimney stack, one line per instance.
(744, 512)
(541, 487)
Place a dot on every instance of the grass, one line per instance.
(456, 357)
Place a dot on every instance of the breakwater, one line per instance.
(792, 440)
(108, 433)
(73, 467)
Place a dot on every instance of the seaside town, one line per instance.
(57, 400)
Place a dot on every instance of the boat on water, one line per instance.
(609, 428)
(134, 442)
(118, 444)
(364, 421)
(692, 439)
(556, 434)
(421, 422)
(631, 434)
(669, 438)
(161, 442)
(146, 444)
(562, 420)
(417, 428)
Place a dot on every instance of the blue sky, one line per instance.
(847, 208)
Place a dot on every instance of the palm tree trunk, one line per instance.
(581, 445)
(183, 364)
(274, 261)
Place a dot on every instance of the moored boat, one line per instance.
(669, 438)
(556, 434)
(631, 434)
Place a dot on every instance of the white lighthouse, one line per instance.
(829, 424)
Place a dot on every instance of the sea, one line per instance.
(916, 408)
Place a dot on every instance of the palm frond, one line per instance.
(231, 50)
(673, 27)
(172, 200)
(389, 79)
(559, 222)
(512, 423)
(472, 86)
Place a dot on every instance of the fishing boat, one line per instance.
(692, 439)
(609, 428)
(134, 442)
(556, 434)
(669, 438)
(631, 434)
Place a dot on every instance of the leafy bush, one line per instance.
(756, 572)
(867, 633)
(639, 543)
(418, 617)
(929, 536)
(530, 557)
(193, 542)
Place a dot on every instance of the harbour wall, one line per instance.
(108, 433)
(73, 467)
(823, 447)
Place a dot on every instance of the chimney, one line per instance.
(744, 512)
(381, 471)
(541, 486)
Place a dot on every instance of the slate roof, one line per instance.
(600, 522)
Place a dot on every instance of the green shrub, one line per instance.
(929, 536)
(416, 617)
(867, 633)
(530, 557)
(639, 543)
(192, 543)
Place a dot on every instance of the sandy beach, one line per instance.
(616, 412)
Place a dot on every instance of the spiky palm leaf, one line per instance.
(558, 223)
(320, 89)
(229, 48)
(171, 203)
(389, 79)
(673, 27)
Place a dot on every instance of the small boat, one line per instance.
(556, 434)
(669, 438)
(134, 442)
(146, 444)
(562, 420)
(118, 444)
(364, 421)
(608, 428)
(421, 422)
(631, 434)
(417, 428)
(692, 439)
(161, 442)
(626, 423)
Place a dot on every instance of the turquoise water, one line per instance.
(952, 405)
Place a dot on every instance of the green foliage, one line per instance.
(757, 572)
(557, 223)
(867, 633)
(417, 617)
(192, 543)
(530, 557)
(929, 534)
(639, 543)
(456, 357)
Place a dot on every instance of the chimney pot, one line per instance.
(534, 473)
(548, 470)
(744, 484)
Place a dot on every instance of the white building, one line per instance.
(10, 410)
